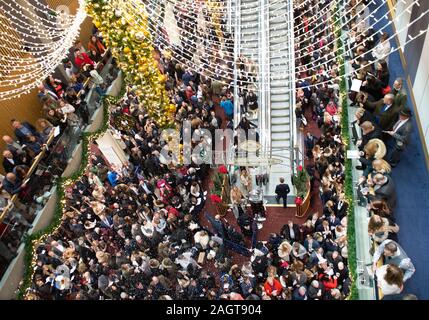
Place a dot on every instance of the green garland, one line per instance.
(351, 232)
(31, 240)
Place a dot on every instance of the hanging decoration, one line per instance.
(34, 39)
(124, 27)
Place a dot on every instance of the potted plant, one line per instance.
(217, 192)
(301, 182)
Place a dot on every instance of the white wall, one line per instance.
(421, 90)
(402, 19)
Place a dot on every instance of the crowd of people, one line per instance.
(64, 109)
(386, 125)
(137, 231)
(140, 231)
(318, 99)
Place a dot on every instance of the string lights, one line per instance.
(312, 65)
(47, 41)
(34, 39)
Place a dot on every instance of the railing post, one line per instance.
(237, 39)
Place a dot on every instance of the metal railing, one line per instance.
(265, 105)
(297, 142)
(237, 39)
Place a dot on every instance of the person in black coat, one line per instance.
(384, 189)
(22, 130)
(291, 232)
(309, 142)
(218, 226)
(10, 161)
(282, 190)
(369, 131)
(245, 223)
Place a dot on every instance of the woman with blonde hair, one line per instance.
(98, 193)
(381, 166)
(381, 229)
(317, 152)
(236, 200)
(246, 182)
(284, 250)
(97, 207)
(44, 127)
(377, 166)
(374, 149)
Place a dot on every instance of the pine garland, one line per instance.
(351, 232)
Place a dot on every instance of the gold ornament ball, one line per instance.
(127, 50)
(118, 13)
(139, 36)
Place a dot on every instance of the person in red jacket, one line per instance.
(329, 282)
(331, 108)
(81, 58)
(273, 287)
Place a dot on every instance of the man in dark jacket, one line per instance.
(291, 232)
(10, 161)
(400, 134)
(282, 190)
(384, 189)
(309, 142)
(218, 226)
(12, 183)
(22, 130)
(385, 111)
